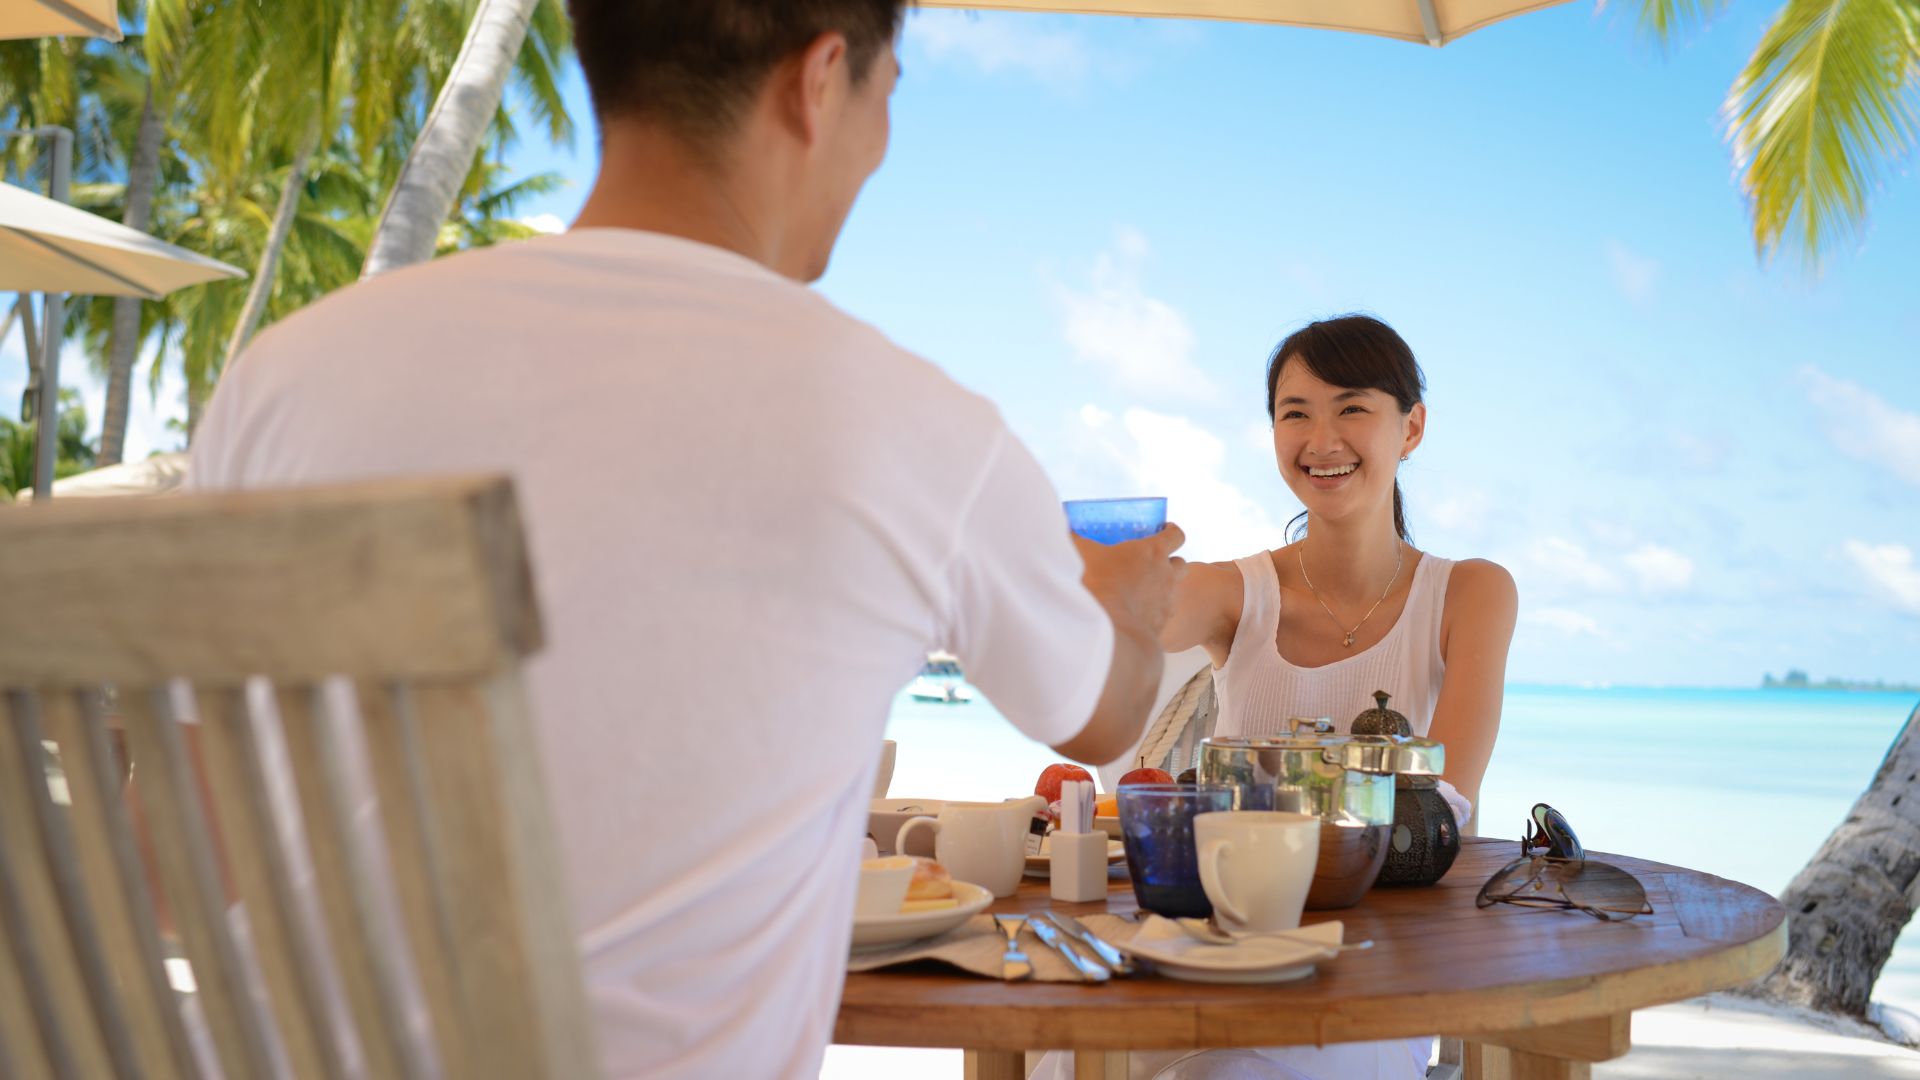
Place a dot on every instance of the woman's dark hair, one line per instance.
(1353, 352)
(694, 64)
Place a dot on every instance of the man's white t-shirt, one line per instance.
(750, 517)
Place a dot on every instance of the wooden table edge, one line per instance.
(1465, 1014)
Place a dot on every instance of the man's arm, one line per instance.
(1134, 582)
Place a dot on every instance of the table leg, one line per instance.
(996, 1065)
(1484, 1062)
(1099, 1065)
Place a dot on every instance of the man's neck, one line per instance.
(653, 181)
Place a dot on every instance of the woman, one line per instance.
(1351, 606)
(1347, 608)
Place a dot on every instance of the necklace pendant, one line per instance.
(1349, 642)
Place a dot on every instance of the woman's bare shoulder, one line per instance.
(1482, 584)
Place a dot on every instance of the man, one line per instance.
(750, 515)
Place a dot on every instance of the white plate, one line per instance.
(894, 929)
(1177, 955)
(1039, 865)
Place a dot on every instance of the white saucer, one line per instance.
(1177, 955)
(880, 930)
(1040, 865)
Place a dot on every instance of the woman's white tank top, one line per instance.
(1259, 689)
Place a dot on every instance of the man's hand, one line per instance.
(1134, 582)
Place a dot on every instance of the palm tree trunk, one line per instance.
(1849, 904)
(261, 288)
(443, 155)
(143, 175)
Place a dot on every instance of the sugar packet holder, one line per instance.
(1077, 868)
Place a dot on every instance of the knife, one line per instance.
(1089, 970)
(1111, 956)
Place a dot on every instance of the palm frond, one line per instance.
(1662, 19)
(1828, 97)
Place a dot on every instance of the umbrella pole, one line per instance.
(53, 318)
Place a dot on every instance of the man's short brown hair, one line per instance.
(694, 64)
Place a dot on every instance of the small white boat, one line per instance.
(941, 682)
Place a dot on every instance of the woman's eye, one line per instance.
(1293, 414)
(1353, 409)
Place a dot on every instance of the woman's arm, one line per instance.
(1476, 630)
(1206, 610)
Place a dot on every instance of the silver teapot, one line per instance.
(1347, 781)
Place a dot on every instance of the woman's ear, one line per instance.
(1416, 428)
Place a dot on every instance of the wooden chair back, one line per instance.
(442, 898)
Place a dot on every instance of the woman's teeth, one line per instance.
(1336, 470)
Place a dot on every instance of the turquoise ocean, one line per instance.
(1745, 784)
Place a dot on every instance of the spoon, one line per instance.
(1211, 933)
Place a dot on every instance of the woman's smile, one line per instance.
(1331, 477)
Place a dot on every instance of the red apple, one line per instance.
(1053, 776)
(1146, 776)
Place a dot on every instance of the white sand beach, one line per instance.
(1707, 1038)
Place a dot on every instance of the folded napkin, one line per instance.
(976, 947)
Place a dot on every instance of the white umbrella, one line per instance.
(56, 18)
(50, 247)
(157, 475)
(1432, 22)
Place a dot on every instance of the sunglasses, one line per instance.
(1553, 871)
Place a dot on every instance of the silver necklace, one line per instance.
(1398, 555)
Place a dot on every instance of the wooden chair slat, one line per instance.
(110, 872)
(342, 874)
(393, 752)
(70, 1026)
(403, 579)
(260, 871)
(507, 908)
(24, 1049)
(63, 871)
(191, 877)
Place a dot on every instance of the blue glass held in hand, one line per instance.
(1110, 521)
(1156, 826)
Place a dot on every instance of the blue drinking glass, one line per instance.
(1156, 826)
(1110, 521)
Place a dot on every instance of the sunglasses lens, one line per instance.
(1600, 888)
(1556, 834)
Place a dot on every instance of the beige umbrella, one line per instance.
(1430, 22)
(50, 247)
(157, 475)
(57, 18)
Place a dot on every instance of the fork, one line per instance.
(1014, 965)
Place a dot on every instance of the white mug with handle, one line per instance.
(982, 843)
(1256, 866)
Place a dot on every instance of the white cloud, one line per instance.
(1633, 274)
(1039, 48)
(1462, 512)
(545, 223)
(1890, 567)
(1258, 437)
(1566, 620)
(1159, 454)
(1564, 562)
(1660, 569)
(1863, 425)
(1145, 345)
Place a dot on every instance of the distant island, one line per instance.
(1795, 679)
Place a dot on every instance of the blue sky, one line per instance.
(1699, 467)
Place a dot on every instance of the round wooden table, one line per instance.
(1535, 993)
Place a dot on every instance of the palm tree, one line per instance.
(496, 46)
(1827, 99)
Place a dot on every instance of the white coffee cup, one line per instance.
(883, 777)
(1256, 866)
(984, 843)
